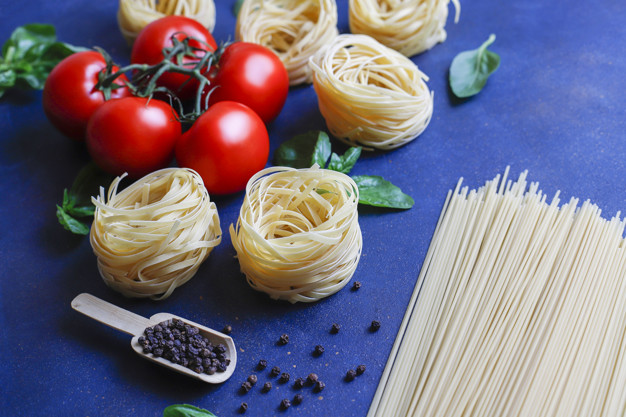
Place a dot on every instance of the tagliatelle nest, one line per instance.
(134, 15)
(151, 237)
(298, 236)
(293, 29)
(369, 94)
(408, 26)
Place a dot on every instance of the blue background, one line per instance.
(556, 106)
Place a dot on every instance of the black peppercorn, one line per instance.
(350, 375)
(356, 285)
(243, 407)
(298, 383)
(252, 379)
(335, 328)
(246, 386)
(262, 364)
(360, 369)
(319, 349)
(284, 377)
(283, 340)
(275, 371)
(297, 399)
(227, 329)
(267, 387)
(374, 326)
(312, 378)
(285, 404)
(319, 386)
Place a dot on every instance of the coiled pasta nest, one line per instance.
(134, 15)
(369, 94)
(293, 29)
(298, 236)
(408, 26)
(151, 237)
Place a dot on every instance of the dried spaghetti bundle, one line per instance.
(408, 26)
(369, 94)
(293, 29)
(298, 236)
(152, 237)
(134, 15)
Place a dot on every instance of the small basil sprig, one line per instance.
(236, 7)
(77, 204)
(29, 55)
(470, 69)
(302, 151)
(186, 410)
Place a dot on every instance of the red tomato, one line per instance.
(253, 75)
(69, 97)
(149, 45)
(133, 135)
(227, 145)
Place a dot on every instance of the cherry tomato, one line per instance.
(226, 145)
(133, 135)
(69, 94)
(149, 45)
(253, 75)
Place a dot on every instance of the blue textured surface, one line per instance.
(556, 106)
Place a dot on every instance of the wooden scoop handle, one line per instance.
(110, 314)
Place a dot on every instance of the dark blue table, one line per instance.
(555, 107)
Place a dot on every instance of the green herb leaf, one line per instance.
(186, 410)
(70, 223)
(470, 69)
(237, 7)
(345, 162)
(375, 191)
(29, 55)
(304, 150)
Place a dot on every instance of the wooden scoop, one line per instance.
(134, 324)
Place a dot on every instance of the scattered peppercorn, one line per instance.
(284, 377)
(262, 364)
(297, 399)
(374, 326)
(227, 329)
(319, 349)
(360, 369)
(285, 404)
(252, 379)
(246, 386)
(356, 285)
(335, 328)
(275, 371)
(350, 375)
(267, 387)
(312, 378)
(319, 386)
(284, 339)
(298, 383)
(243, 407)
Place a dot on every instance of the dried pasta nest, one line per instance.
(369, 94)
(293, 29)
(134, 15)
(151, 237)
(408, 26)
(298, 236)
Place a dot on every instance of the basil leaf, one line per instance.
(304, 150)
(236, 7)
(375, 191)
(186, 410)
(470, 69)
(345, 162)
(70, 223)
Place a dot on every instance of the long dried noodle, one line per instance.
(298, 236)
(151, 237)
(408, 26)
(293, 29)
(134, 15)
(369, 94)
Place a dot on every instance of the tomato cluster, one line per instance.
(227, 143)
